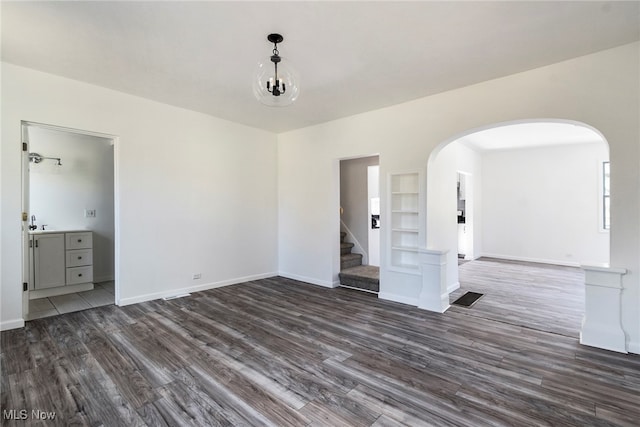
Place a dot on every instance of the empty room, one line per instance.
(265, 213)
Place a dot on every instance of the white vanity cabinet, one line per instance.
(61, 259)
(48, 261)
(79, 257)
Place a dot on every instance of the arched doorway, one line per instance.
(535, 200)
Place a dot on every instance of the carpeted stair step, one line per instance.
(345, 248)
(342, 236)
(350, 260)
(365, 277)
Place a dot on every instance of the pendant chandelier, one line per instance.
(275, 82)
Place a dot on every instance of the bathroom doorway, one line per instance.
(69, 236)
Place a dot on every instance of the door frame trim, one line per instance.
(115, 141)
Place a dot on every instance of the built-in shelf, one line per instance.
(404, 191)
(405, 248)
(408, 267)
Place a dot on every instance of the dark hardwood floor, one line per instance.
(282, 353)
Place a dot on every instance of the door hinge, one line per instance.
(24, 146)
(25, 286)
(25, 216)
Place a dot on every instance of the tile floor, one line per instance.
(102, 294)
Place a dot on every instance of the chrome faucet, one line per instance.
(33, 225)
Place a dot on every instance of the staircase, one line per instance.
(352, 273)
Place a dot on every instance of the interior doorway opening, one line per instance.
(538, 197)
(360, 223)
(464, 215)
(69, 236)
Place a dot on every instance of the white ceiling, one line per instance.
(527, 135)
(352, 56)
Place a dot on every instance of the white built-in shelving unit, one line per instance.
(405, 217)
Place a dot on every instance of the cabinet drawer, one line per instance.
(79, 257)
(79, 240)
(79, 275)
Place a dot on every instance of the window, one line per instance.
(606, 196)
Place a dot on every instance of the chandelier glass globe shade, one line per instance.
(265, 80)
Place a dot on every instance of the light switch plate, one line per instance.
(89, 213)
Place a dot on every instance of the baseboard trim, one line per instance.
(190, 289)
(61, 290)
(527, 259)
(634, 347)
(398, 298)
(359, 289)
(108, 278)
(12, 324)
(323, 283)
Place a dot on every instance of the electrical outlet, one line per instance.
(89, 213)
(196, 276)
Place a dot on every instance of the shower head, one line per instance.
(37, 158)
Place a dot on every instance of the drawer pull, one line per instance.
(79, 257)
(79, 240)
(79, 274)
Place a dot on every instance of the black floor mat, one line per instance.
(468, 299)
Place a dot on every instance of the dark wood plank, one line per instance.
(42, 348)
(243, 389)
(183, 405)
(117, 366)
(98, 397)
(58, 388)
(17, 358)
(64, 337)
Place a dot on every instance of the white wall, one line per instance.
(542, 204)
(60, 194)
(442, 222)
(583, 89)
(196, 194)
